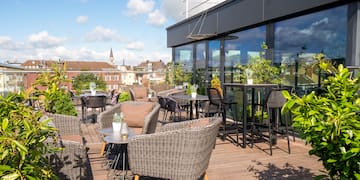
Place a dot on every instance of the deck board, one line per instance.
(229, 161)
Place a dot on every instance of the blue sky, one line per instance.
(87, 29)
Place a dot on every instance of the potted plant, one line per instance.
(193, 90)
(92, 86)
(249, 73)
(329, 121)
(117, 122)
(26, 138)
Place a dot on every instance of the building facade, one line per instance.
(11, 79)
(215, 41)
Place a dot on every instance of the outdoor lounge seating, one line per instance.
(178, 151)
(271, 128)
(72, 161)
(222, 106)
(142, 117)
(140, 93)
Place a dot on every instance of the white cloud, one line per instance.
(81, 19)
(103, 34)
(6, 42)
(137, 45)
(156, 18)
(44, 40)
(136, 7)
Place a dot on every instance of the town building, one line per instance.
(11, 79)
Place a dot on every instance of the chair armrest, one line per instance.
(179, 125)
(105, 118)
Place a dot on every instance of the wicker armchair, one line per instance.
(179, 151)
(105, 118)
(71, 162)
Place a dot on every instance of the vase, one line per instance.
(116, 127)
(193, 95)
(124, 131)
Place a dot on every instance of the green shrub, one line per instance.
(56, 99)
(124, 96)
(22, 138)
(330, 122)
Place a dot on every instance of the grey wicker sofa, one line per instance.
(71, 162)
(178, 151)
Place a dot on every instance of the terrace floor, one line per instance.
(229, 161)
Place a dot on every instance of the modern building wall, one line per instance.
(293, 30)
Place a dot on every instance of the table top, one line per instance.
(188, 97)
(89, 94)
(111, 137)
(250, 85)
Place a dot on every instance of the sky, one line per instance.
(88, 29)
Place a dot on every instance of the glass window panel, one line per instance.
(297, 40)
(239, 48)
(214, 59)
(183, 64)
(200, 63)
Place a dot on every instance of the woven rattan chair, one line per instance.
(178, 151)
(105, 118)
(71, 162)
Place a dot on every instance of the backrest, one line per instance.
(275, 98)
(172, 105)
(162, 101)
(138, 92)
(95, 101)
(214, 96)
(184, 153)
(66, 124)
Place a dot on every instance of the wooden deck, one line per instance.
(229, 161)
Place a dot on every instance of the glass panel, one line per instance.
(239, 48)
(297, 40)
(183, 66)
(214, 59)
(200, 64)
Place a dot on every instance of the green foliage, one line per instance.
(179, 75)
(22, 138)
(261, 70)
(330, 121)
(82, 82)
(124, 96)
(55, 98)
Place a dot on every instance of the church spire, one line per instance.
(111, 58)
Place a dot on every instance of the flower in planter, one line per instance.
(215, 83)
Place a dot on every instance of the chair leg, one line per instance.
(270, 130)
(205, 176)
(103, 148)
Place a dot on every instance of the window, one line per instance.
(297, 40)
(214, 59)
(200, 65)
(240, 48)
(183, 64)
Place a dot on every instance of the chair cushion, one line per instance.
(140, 92)
(134, 113)
(72, 138)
